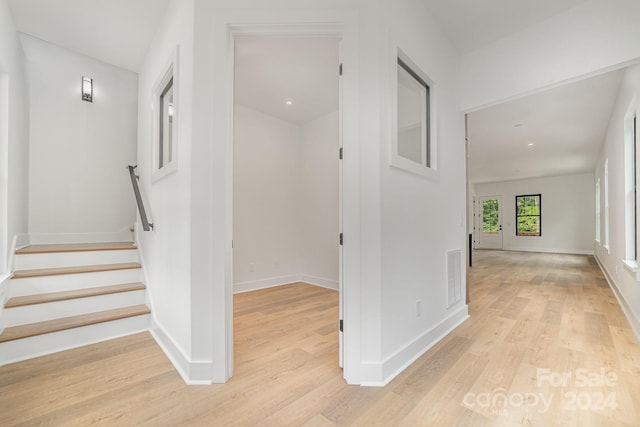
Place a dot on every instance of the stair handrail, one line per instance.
(146, 225)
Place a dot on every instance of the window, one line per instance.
(413, 116)
(413, 145)
(165, 120)
(529, 215)
(634, 192)
(606, 204)
(631, 188)
(598, 210)
(166, 111)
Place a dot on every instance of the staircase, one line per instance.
(70, 295)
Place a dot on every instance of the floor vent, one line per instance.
(454, 282)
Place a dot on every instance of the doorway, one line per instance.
(490, 222)
(286, 166)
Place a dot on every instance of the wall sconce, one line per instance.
(87, 89)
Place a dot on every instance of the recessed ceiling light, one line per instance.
(531, 144)
(288, 101)
(518, 125)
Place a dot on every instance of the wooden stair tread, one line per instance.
(20, 274)
(74, 294)
(39, 328)
(76, 247)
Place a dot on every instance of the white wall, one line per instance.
(568, 216)
(422, 219)
(398, 227)
(78, 183)
(389, 228)
(14, 139)
(589, 38)
(267, 192)
(285, 201)
(166, 251)
(319, 201)
(14, 147)
(625, 282)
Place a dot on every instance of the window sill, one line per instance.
(166, 170)
(407, 165)
(632, 266)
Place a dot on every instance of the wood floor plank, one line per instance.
(286, 354)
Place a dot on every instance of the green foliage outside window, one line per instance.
(528, 215)
(490, 210)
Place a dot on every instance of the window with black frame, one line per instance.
(529, 215)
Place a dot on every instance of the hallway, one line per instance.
(546, 344)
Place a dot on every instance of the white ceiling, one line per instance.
(567, 126)
(114, 31)
(470, 24)
(567, 123)
(268, 71)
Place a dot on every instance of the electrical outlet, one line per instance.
(251, 267)
(275, 265)
(418, 308)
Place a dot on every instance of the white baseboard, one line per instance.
(272, 282)
(319, 281)
(626, 308)
(380, 374)
(192, 373)
(4, 296)
(19, 241)
(124, 235)
(551, 251)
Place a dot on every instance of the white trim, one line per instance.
(4, 296)
(341, 23)
(552, 251)
(431, 172)
(19, 241)
(381, 374)
(319, 281)
(272, 282)
(169, 71)
(192, 372)
(631, 265)
(633, 320)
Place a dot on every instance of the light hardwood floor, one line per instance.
(546, 344)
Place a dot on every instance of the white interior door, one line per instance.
(490, 222)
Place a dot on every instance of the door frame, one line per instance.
(349, 276)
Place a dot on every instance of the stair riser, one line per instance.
(27, 348)
(73, 259)
(68, 282)
(54, 310)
